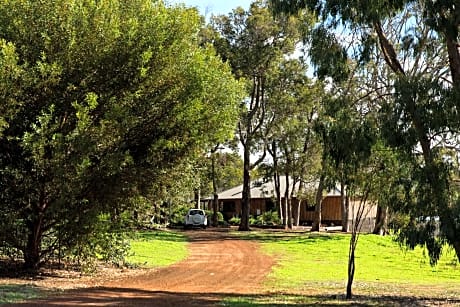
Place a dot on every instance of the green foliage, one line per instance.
(329, 56)
(10, 75)
(235, 220)
(417, 99)
(268, 218)
(99, 100)
(107, 242)
(177, 213)
(228, 171)
(220, 216)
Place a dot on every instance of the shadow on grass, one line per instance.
(10, 293)
(280, 299)
(136, 297)
(267, 236)
(298, 237)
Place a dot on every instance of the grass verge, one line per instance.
(312, 271)
(157, 248)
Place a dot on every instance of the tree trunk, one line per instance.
(380, 221)
(318, 203)
(288, 203)
(292, 194)
(319, 196)
(351, 268)
(276, 178)
(345, 206)
(456, 246)
(215, 202)
(32, 252)
(297, 219)
(289, 210)
(246, 194)
(197, 198)
(281, 211)
(454, 57)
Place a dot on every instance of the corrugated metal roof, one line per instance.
(266, 189)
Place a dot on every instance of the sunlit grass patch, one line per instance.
(323, 257)
(157, 248)
(311, 270)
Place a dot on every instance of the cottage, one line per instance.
(263, 199)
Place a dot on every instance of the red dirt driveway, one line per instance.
(218, 266)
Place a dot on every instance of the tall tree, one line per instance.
(425, 92)
(110, 95)
(252, 42)
(293, 105)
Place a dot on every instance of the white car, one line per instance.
(197, 218)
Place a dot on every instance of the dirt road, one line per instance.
(218, 266)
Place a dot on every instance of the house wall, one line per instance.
(368, 217)
(331, 209)
(232, 207)
(331, 213)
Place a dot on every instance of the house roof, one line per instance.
(261, 188)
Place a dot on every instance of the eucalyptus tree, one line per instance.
(294, 102)
(253, 42)
(418, 42)
(104, 98)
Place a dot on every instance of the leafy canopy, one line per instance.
(98, 99)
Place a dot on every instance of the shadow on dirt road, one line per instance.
(218, 266)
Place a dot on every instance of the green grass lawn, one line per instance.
(312, 270)
(157, 248)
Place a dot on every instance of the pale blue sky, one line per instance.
(210, 7)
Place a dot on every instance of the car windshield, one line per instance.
(194, 212)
